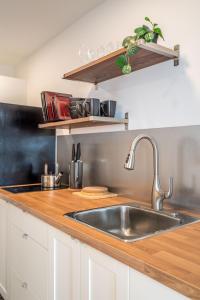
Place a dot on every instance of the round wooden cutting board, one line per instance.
(95, 192)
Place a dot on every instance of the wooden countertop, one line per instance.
(172, 258)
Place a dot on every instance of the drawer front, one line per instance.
(30, 225)
(16, 216)
(29, 261)
(36, 229)
(19, 290)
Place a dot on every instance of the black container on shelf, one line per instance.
(108, 108)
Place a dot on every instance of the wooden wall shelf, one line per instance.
(83, 122)
(105, 68)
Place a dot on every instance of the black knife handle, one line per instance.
(73, 152)
(78, 152)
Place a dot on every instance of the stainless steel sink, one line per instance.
(130, 223)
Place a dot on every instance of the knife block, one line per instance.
(76, 174)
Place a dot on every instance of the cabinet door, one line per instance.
(3, 234)
(64, 261)
(102, 277)
(143, 287)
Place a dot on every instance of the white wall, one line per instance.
(13, 90)
(7, 70)
(159, 96)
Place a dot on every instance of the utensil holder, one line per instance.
(76, 174)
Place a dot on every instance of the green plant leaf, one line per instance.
(139, 29)
(159, 32)
(121, 61)
(147, 19)
(141, 33)
(127, 69)
(132, 50)
(148, 33)
(146, 28)
(149, 37)
(128, 40)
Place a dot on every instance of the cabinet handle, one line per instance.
(24, 285)
(25, 236)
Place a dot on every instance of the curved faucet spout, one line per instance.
(157, 194)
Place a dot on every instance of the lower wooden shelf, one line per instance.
(83, 122)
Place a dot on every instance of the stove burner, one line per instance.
(31, 188)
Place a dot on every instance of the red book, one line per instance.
(55, 106)
(62, 107)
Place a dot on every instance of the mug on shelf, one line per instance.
(108, 108)
(81, 107)
(91, 107)
(76, 108)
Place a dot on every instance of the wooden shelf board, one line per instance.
(105, 68)
(83, 122)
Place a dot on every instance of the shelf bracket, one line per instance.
(126, 117)
(96, 86)
(176, 60)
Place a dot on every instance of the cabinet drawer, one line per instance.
(19, 290)
(16, 216)
(30, 225)
(29, 261)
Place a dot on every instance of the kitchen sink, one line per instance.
(128, 222)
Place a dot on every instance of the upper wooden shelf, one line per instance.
(105, 68)
(83, 122)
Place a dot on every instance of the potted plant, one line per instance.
(149, 34)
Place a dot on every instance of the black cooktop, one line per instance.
(31, 188)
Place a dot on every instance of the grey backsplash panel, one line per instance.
(104, 155)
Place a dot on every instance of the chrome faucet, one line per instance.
(158, 195)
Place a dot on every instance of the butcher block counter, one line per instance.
(172, 258)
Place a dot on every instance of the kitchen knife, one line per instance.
(78, 152)
(73, 152)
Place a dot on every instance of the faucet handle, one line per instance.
(170, 191)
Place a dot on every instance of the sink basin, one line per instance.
(128, 222)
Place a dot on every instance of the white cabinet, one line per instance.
(3, 236)
(27, 258)
(102, 277)
(64, 261)
(43, 263)
(143, 287)
(79, 272)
